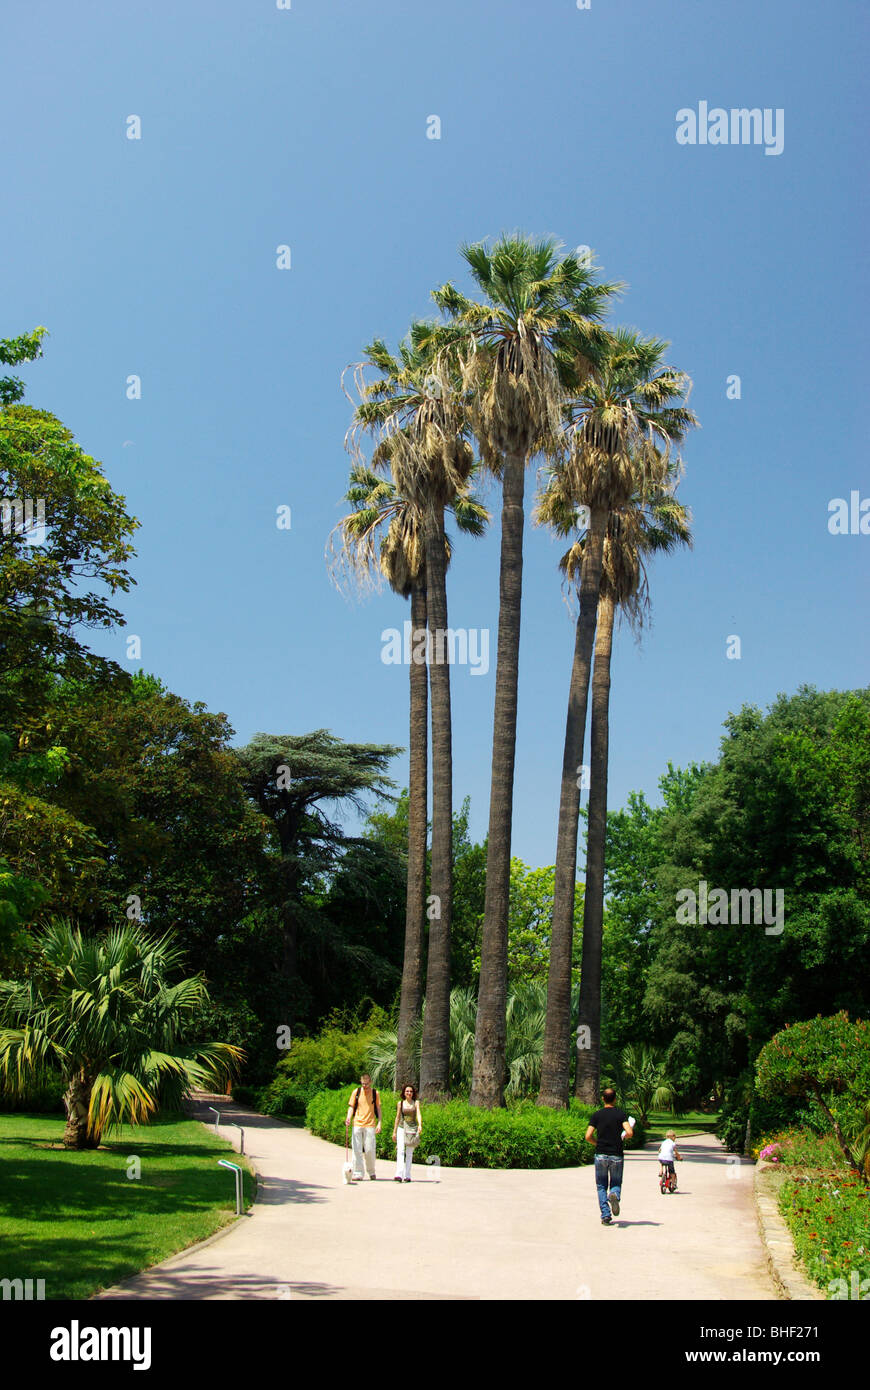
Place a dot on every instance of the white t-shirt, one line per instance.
(666, 1152)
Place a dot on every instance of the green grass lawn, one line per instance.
(693, 1122)
(80, 1223)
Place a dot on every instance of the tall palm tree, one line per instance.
(104, 1014)
(382, 536)
(517, 364)
(659, 524)
(416, 409)
(618, 421)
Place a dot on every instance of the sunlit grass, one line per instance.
(76, 1220)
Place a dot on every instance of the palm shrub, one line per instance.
(525, 1017)
(639, 1075)
(103, 1013)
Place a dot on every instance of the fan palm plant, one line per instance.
(639, 1074)
(415, 408)
(104, 1014)
(521, 348)
(526, 1005)
(623, 423)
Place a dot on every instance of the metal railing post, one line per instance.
(224, 1163)
(217, 1117)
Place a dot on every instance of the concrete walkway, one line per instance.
(470, 1233)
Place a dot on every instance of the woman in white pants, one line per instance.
(406, 1132)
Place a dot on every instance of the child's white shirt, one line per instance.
(666, 1152)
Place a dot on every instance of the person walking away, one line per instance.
(406, 1132)
(364, 1109)
(607, 1128)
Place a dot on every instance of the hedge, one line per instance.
(462, 1136)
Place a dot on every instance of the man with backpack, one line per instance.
(364, 1109)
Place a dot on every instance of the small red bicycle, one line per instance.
(668, 1180)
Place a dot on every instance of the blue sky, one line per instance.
(307, 127)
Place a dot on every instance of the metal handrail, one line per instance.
(224, 1163)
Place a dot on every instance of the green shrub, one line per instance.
(742, 1102)
(41, 1098)
(283, 1096)
(462, 1136)
(337, 1056)
(248, 1095)
(826, 1059)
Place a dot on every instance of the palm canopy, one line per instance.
(104, 1013)
(629, 411)
(653, 521)
(415, 409)
(528, 343)
(382, 535)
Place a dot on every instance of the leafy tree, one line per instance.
(292, 780)
(161, 790)
(45, 600)
(105, 1015)
(27, 347)
(822, 1058)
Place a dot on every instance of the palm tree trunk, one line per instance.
(488, 1079)
(435, 1058)
(588, 1077)
(556, 1060)
(411, 999)
(77, 1100)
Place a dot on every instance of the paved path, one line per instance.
(470, 1233)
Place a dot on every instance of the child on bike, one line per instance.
(668, 1152)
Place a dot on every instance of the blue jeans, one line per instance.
(608, 1172)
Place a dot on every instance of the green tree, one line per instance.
(823, 1059)
(105, 1015)
(45, 594)
(293, 780)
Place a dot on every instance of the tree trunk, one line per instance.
(77, 1099)
(588, 1077)
(407, 1062)
(435, 1058)
(488, 1079)
(556, 1059)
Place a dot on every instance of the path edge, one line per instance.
(778, 1245)
(200, 1244)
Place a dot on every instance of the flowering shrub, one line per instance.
(799, 1148)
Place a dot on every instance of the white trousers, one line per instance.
(404, 1157)
(363, 1146)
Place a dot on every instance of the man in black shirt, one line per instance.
(609, 1125)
